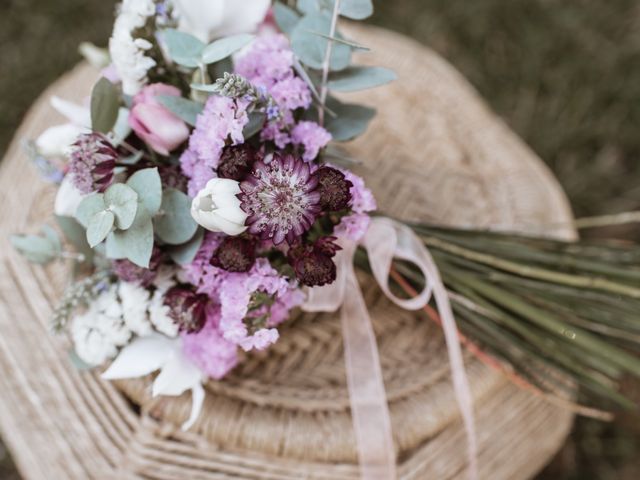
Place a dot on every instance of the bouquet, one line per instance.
(203, 198)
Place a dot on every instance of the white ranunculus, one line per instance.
(217, 207)
(68, 198)
(209, 19)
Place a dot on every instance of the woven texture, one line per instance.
(434, 153)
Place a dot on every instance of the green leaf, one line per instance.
(185, 253)
(34, 248)
(99, 227)
(76, 235)
(350, 120)
(310, 48)
(360, 78)
(256, 122)
(221, 49)
(186, 109)
(352, 44)
(53, 237)
(105, 103)
(77, 362)
(89, 207)
(122, 201)
(136, 243)
(184, 49)
(356, 9)
(286, 18)
(175, 226)
(308, 6)
(148, 185)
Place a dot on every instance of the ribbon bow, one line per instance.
(384, 241)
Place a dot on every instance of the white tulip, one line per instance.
(217, 207)
(209, 19)
(56, 141)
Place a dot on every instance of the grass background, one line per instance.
(564, 75)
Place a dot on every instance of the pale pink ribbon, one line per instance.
(384, 241)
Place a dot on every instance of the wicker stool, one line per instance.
(434, 153)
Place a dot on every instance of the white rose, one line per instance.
(209, 19)
(217, 207)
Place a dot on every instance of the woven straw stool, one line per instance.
(434, 153)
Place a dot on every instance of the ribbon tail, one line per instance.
(369, 408)
(458, 373)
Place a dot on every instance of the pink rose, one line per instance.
(158, 127)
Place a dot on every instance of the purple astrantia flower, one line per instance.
(281, 199)
(313, 264)
(208, 349)
(221, 123)
(132, 273)
(355, 226)
(187, 308)
(312, 137)
(93, 160)
(334, 188)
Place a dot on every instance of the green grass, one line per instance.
(565, 75)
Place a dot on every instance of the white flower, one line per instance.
(56, 141)
(217, 208)
(99, 332)
(128, 53)
(134, 300)
(209, 19)
(159, 315)
(177, 373)
(68, 198)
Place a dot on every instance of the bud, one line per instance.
(334, 188)
(187, 308)
(235, 254)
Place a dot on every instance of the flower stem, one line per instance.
(324, 89)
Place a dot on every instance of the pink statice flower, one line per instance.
(236, 293)
(209, 350)
(268, 64)
(221, 123)
(355, 226)
(312, 137)
(200, 273)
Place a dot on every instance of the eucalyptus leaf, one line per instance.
(185, 253)
(34, 248)
(148, 185)
(122, 201)
(221, 49)
(360, 78)
(308, 6)
(89, 207)
(186, 109)
(311, 48)
(286, 17)
(356, 9)
(99, 227)
(175, 226)
(134, 244)
(76, 235)
(256, 122)
(53, 237)
(350, 120)
(105, 104)
(121, 129)
(350, 43)
(184, 49)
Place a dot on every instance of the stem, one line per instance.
(324, 89)
(594, 283)
(499, 366)
(607, 220)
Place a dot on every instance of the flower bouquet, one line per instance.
(206, 200)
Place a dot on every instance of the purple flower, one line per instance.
(132, 273)
(314, 264)
(312, 137)
(93, 160)
(221, 122)
(208, 349)
(281, 199)
(334, 188)
(187, 308)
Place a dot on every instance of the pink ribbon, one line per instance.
(384, 241)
